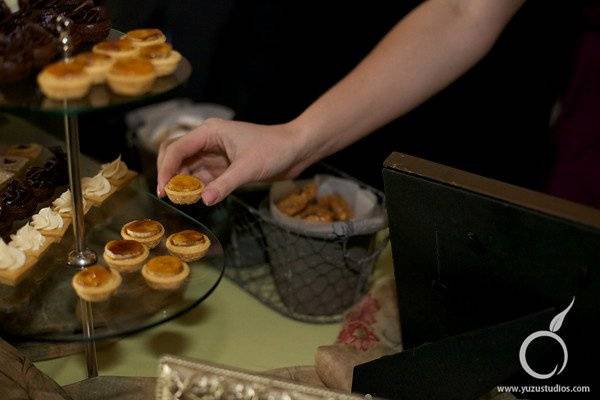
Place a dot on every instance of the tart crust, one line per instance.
(73, 84)
(138, 79)
(183, 196)
(99, 293)
(131, 264)
(138, 39)
(117, 49)
(58, 233)
(188, 253)
(150, 241)
(163, 65)
(14, 276)
(171, 282)
(96, 65)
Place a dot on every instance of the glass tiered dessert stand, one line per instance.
(44, 306)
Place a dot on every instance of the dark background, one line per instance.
(268, 60)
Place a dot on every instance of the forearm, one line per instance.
(426, 51)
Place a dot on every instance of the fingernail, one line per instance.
(210, 196)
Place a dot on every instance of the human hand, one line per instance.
(227, 154)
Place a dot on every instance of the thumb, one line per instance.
(224, 184)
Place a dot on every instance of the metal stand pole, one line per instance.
(80, 256)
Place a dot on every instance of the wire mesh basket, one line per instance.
(301, 276)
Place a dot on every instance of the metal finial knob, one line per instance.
(63, 26)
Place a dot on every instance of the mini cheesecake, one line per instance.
(96, 283)
(21, 152)
(125, 255)
(162, 56)
(188, 245)
(64, 80)
(131, 77)
(145, 37)
(117, 49)
(95, 64)
(145, 231)
(165, 272)
(184, 189)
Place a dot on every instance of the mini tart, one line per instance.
(165, 272)
(29, 151)
(64, 80)
(14, 164)
(188, 245)
(125, 255)
(184, 189)
(117, 49)
(95, 64)
(131, 77)
(96, 283)
(162, 56)
(145, 37)
(145, 231)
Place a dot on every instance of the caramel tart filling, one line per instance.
(65, 70)
(116, 45)
(143, 228)
(187, 238)
(157, 51)
(184, 183)
(123, 249)
(89, 58)
(94, 276)
(133, 66)
(145, 34)
(165, 266)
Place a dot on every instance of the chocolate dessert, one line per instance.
(41, 182)
(18, 200)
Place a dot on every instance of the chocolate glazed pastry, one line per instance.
(41, 183)
(43, 45)
(91, 23)
(16, 59)
(18, 200)
(57, 166)
(6, 221)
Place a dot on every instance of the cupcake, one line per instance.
(96, 65)
(184, 189)
(96, 283)
(145, 231)
(162, 56)
(165, 272)
(64, 80)
(188, 245)
(145, 37)
(131, 77)
(50, 223)
(117, 173)
(117, 49)
(125, 255)
(30, 241)
(96, 189)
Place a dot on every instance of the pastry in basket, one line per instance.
(64, 205)
(18, 200)
(13, 164)
(188, 245)
(165, 272)
(336, 203)
(184, 189)
(317, 213)
(117, 173)
(145, 37)
(297, 201)
(162, 56)
(30, 241)
(125, 255)
(30, 151)
(40, 182)
(13, 264)
(131, 77)
(64, 80)
(146, 231)
(117, 49)
(96, 189)
(96, 283)
(96, 65)
(50, 223)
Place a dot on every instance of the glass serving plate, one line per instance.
(45, 307)
(25, 95)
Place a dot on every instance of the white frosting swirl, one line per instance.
(96, 186)
(10, 257)
(64, 204)
(115, 170)
(47, 220)
(27, 238)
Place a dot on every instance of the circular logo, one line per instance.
(523, 353)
